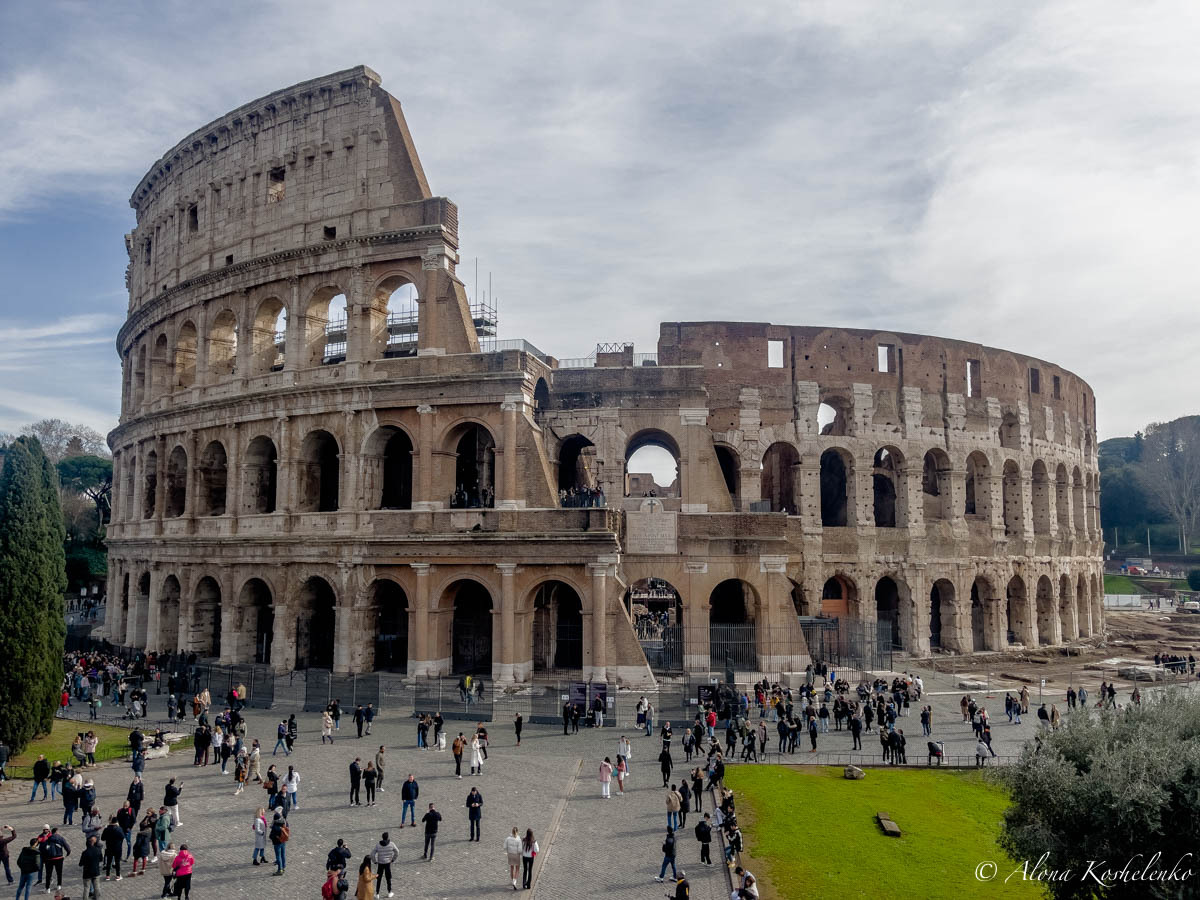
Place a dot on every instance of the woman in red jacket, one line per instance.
(182, 868)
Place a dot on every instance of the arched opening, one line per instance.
(325, 327)
(149, 484)
(557, 628)
(576, 471)
(977, 496)
(388, 469)
(1042, 514)
(835, 485)
(258, 617)
(833, 414)
(980, 592)
(885, 481)
(175, 494)
(1082, 618)
(652, 465)
(1010, 432)
(1062, 489)
(1078, 503)
(316, 619)
(731, 627)
(139, 377)
(168, 616)
(471, 628)
(474, 468)
(1066, 609)
(839, 597)
(260, 472)
(319, 472)
(205, 635)
(1014, 507)
(943, 622)
(935, 486)
(541, 400)
(887, 611)
(402, 307)
(185, 356)
(731, 473)
(390, 609)
(222, 345)
(212, 476)
(160, 368)
(1046, 630)
(1019, 626)
(780, 464)
(656, 610)
(268, 337)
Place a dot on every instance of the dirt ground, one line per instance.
(1132, 637)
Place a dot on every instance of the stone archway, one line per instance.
(316, 619)
(470, 628)
(389, 618)
(732, 630)
(557, 628)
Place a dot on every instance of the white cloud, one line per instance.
(1024, 176)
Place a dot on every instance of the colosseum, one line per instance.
(326, 457)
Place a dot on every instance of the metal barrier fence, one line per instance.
(849, 643)
(454, 699)
(259, 683)
(322, 687)
(547, 700)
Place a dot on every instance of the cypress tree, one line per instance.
(32, 582)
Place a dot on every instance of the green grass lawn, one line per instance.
(811, 833)
(57, 745)
(1120, 584)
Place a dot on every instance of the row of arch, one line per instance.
(258, 345)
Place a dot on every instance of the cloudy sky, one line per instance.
(1023, 175)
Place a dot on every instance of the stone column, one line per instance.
(184, 631)
(509, 495)
(189, 492)
(283, 466)
(599, 670)
(152, 612)
(114, 625)
(425, 498)
(422, 664)
(293, 346)
(160, 483)
(696, 647)
(428, 326)
(692, 421)
(348, 463)
(505, 670)
(231, 619)
(139, 483)
(233, 476)
(116, 509)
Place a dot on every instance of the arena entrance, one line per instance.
(557, 628)
(471, 629)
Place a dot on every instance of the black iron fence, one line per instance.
(549, 700)
(849, 643)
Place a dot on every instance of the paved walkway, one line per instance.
(599, 849)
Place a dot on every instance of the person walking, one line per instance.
(370, 776)
(260, 828)
(685, 802)
(606, 771)
(476, 756)
(360, 719)
(379, 764)
(474, 806)
(369, 716)
(55, 849)
(171, 801)
(291, 784)
(512, 850)
(621, 773)
(431, 820)
(518, 722)
(456, 749)
(280, 834)
(409, 792)
(181, 867)
(384, 854)
(665, 764)
(281, 738)
(673, 803)
(113, 837)
(326, 727)
(356, 782)
(649, 719)
(29, 861)
(668, 851)
(365, 889)
(166, 863)
(529, 852)
(41, 776)
(145, 837)
(89, 861)
(704, 836)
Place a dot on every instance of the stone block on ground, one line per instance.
(854, 773)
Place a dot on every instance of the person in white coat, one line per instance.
(260, 828)
(291, 782)
(624, 751)
(512, 849)
(476, 756)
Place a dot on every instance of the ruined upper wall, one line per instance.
(325, 160)
(843, 363)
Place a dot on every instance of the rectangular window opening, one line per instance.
(1057, 388)
(193, 219)
(275, 184)
(1035, 381)
(149, 246)
(330, 232)
(886, 358)
(229, 260)
(774, 354)
(974, 378)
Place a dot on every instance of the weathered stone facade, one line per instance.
(293, 488)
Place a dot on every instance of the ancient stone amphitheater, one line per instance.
(326, 458)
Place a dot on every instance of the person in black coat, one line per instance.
(136, 794)
(704, 836)
(70, 799)
(89, 861)
(474, 806)
(112, 837)
(355, 781)
(665, 764)
(685, 802)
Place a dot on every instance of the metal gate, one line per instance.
(454, 698)
(733, 647)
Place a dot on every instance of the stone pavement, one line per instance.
(601, 848)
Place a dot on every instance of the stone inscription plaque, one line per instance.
(652, 530)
